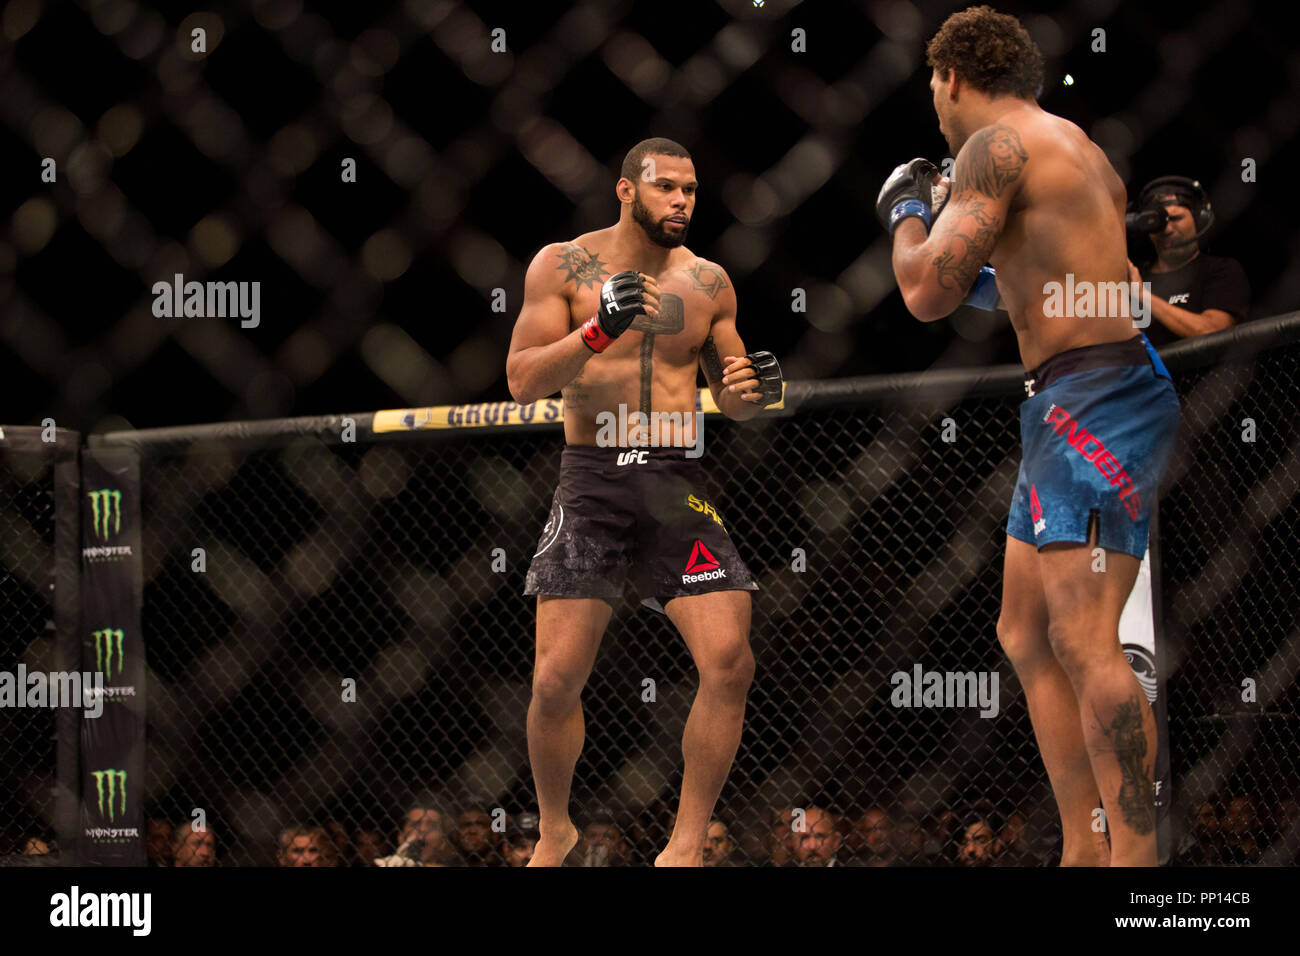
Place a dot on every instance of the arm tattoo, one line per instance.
(970, 231)
(585, 268)
(991, 161)
(707, 279)
(1136, 795)
(711, 362)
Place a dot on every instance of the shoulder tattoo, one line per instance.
(584, 268)
(991, 161)
(707, 278)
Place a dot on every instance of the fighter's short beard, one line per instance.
(655, 231)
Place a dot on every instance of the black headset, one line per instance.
(1148, 214)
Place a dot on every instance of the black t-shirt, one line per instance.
(1207, 282)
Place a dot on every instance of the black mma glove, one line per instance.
(768, 372)
(621, 301)
(907, 192)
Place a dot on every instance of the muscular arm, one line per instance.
(723, 340)
(544, 354)
(935, 272)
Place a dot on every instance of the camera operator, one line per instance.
(1191, 294)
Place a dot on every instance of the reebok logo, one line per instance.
(1036, 510)
(702, 565)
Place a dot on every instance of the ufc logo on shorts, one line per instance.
(1180, 297)
(632, 457)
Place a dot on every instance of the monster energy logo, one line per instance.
(105, 640)
(105, 505)
(116, 782)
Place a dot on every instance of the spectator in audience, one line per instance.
(601, 842)
(719, 847)
(818, 841)
(644, 836)
(945, 837)
(369, 846)
(1284, 833)
(1285, 813)
(302, 845)
(782, 838)
(911, 843)
(35, 846)
(750, 835)
(338, 833)
(1191, 294)
(474, 839)
(193, 848)
(422, 840)
(980, 844)
(1240, 832)
(871, 841)
(520, 840)
(158, 841)
(1202, 844)
(1015, 842)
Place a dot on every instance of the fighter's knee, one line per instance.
(1071, 645)
(555, 690)
(731, 670)
(1020, 642)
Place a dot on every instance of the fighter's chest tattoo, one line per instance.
(670, 320)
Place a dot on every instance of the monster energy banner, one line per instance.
(1139, 625)
(112, 743)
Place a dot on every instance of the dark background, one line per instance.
(373, 558)
(377, 294)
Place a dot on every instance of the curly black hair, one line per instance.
(989, 50)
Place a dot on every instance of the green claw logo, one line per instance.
(116, 780)
(105, 507)
(105, 641)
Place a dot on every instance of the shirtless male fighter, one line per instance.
(1038, 201)
(623, 316)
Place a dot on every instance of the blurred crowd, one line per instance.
(1230, 830)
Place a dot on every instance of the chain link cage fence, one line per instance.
(399, 562)
(38, 601)
(27, 740)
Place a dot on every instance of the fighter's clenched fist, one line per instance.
(623, 297)
(756, 377)
(909, 191)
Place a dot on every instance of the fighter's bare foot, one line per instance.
(1095, 854)
(551, 850)
(674, 858)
